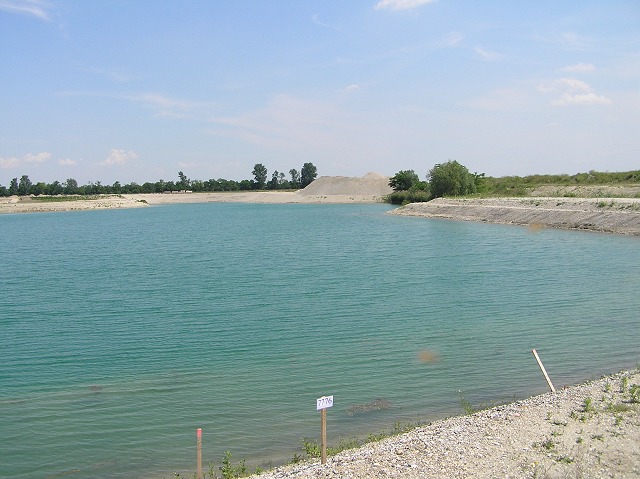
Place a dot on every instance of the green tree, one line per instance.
(295, 178)
(24, 187)
(451, 178)
(39, 188)
(273, 182)
(184, 182)
(13, 186)
(308, 173)
(70, 187)
(260, 176)
(4, 191)
(55, 188)
(196, 185)
(93, 188)
(245, 185)
(148, 187)
(133, 188)
(404, 180)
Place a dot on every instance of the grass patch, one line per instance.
(60, 199)
(311, 448)
(588, 406)
(549, 445)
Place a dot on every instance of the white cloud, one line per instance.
(298, 125)
(188, 164)
(35, 8)
(582, 99)
(39, 158)
(573, 84)
(351, 88)
(315, 18)
(401, 4)
(453, 38)
(67, 162)
(163, 105)
(120, 157)
(9, 162)
(487, 55)
(578, 68)
(15, 162)
(574, 41)
(573, 92)
(500, 99)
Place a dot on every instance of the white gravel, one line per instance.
(586, 431)
(611, 215)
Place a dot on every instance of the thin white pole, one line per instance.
(544, 371)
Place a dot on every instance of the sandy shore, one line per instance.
(586, 431)
(611, 215)
(299, 196)
(15, 204)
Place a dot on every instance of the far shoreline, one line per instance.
(607, 215)
(29, 204)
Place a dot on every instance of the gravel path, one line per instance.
(586, 431)
(610, 215)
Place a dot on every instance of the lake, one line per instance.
(122, 331)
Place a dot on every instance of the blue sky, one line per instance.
(136, 90)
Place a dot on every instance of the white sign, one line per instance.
(324, 402)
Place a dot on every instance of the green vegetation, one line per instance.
(61, 198)
(230, 471)
(453, 179)
(404, 180)
(588, 406)
(24, 186)
(311, 448)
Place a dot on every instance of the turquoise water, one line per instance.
(124, 331)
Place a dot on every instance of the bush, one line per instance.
(406, 197)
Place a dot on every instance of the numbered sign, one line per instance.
(324, 402)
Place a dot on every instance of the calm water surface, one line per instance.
(121, 332)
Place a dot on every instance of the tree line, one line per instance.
(23, 186)
(453, 179)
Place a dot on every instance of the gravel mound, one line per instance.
(371, 184)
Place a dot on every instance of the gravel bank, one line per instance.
(610, 215)
(586, 431)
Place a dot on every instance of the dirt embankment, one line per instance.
(610, 215)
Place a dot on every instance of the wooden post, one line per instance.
(321, 405)
(199, 454)
(544, 371)
(323, 435)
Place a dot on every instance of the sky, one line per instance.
(137, 90)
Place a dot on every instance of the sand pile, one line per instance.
(371, 184)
